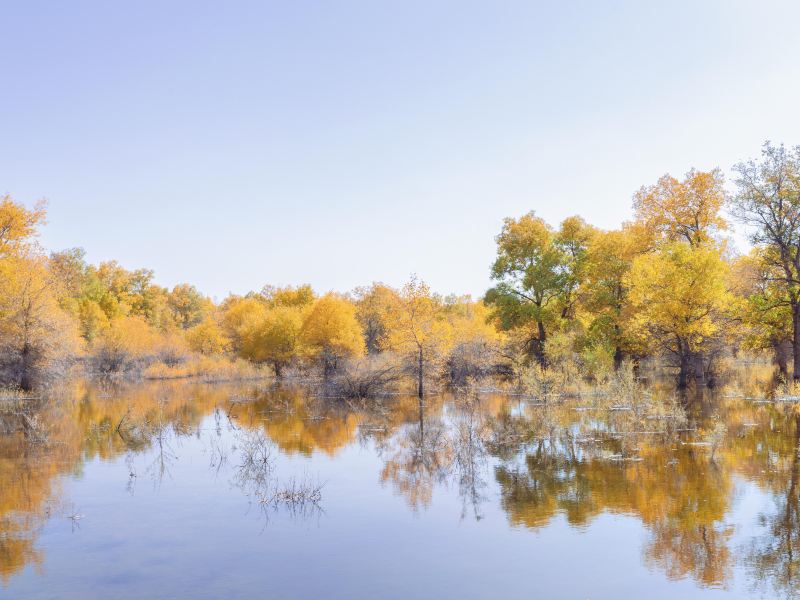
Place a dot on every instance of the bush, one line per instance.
(543, 383)
(559, 349)
(128, 343)
(471, 360)
(366, 377)
(597, 363)
(172, 349)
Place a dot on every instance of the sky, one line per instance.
(336, 143)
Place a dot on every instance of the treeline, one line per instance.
(575, 298)
(57, 311)
(667, 284)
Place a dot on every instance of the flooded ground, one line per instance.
(187, 490)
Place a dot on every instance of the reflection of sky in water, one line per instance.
(184, 527)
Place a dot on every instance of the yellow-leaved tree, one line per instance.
(37, 337)
(609, 259)
(680, 304)
(274, 338)
(331, 332)
(373, 306)
(208, 337)
(239, 315)
(188, 306)
(685, 210)
(301, 296)
(18, 225)
(419, 330)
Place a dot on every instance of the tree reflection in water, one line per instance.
(417, 457)
(577, 459)
(774, 556)
(470, 454)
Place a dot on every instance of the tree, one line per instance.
(681, 223)
(417, 328)
(331, 331)
(114, 284)
(36, 335)
(70, 267)
(238, 316)
(685, 210)
(609, 258)
(373, 307)
(18, 224)
(574, 238)
(679, 303)
(763, 310)
(298, 297)
(208, 337)
(187, 305)
(92, 321)
(538, 273)
(274, 338)
(152, 302)
(768, 201)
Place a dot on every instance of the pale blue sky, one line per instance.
(336, 143)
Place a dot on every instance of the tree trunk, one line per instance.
(618, 356)
(796, 339)
(421, 423)
(699, 368)
(683, 374)
(538, 345)
(277, 366)
(420, 376)
(329, 364)
(781, 350)
(685, 365)
(26, 378)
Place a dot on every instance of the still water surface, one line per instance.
(185, 490)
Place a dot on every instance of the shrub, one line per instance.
(366, 377)
(471, 360)
(127, 343)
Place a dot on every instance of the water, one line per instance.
(183, 490)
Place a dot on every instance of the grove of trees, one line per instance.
(667, 285)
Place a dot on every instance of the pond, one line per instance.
(190, 490)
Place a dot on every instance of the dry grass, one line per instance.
(210, 369)
(788, 390)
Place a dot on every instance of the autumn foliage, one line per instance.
(666, 285)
